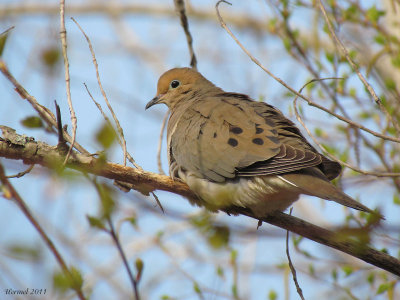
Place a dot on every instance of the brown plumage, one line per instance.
(233, 151)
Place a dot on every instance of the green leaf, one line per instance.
(371, 278)
(330, 57)
(3, 39)
(311, 269)
(380, 39)
(201, 221)
(76, 278)
(25, 252)
(396, 199)
(220, 271)
(133, 221)
(32, 122)
(106, 135)
(334, 274)
(234, 291)
(107, 201)
(396, 61)
(296, 240)
(352, 92)
(196, 288)
(272, 295)
(95, 222)
(373, 14)
(287, 44)
(318, 132)
(63, 282)
(219, 237)
(348, 270)
(139, 268)
(383, 288)
(51, 56)
(234, 255)
(351, 13)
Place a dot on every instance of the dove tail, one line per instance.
(312, 183)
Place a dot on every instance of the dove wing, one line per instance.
(226, 135)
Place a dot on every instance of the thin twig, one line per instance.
(101, 111)
(117, 242)
(357, 70)
(377, 134)
(292, 269)
(158, 202)
(20, 174)
(28, 214)
(377, 174)
(61, 145)
(7, 31)
(159, 164)
(180, 8)
(63, 37)
(119, 128)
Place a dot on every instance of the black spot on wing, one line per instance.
(233, 142)
(258, 141)
(235, 129)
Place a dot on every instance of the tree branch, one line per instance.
(21, 147)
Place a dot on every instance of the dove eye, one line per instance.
(174, 84)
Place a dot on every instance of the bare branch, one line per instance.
(63, 37)
(292, 269)
(117, 242)
(180, 8)
(23, 173)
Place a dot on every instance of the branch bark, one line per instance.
(21, 147)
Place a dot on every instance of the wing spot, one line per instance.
(236, 130)
(259, 130)
(233, 142)
(215, 135)
(258, 141)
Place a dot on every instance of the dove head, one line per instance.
(178, 85)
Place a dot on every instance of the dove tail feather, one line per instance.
(314, 185)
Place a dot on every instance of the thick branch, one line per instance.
(15, 146)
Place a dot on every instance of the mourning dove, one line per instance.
(235, 152)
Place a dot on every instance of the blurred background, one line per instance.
(186, 252)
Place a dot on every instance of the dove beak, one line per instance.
(154, 101)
